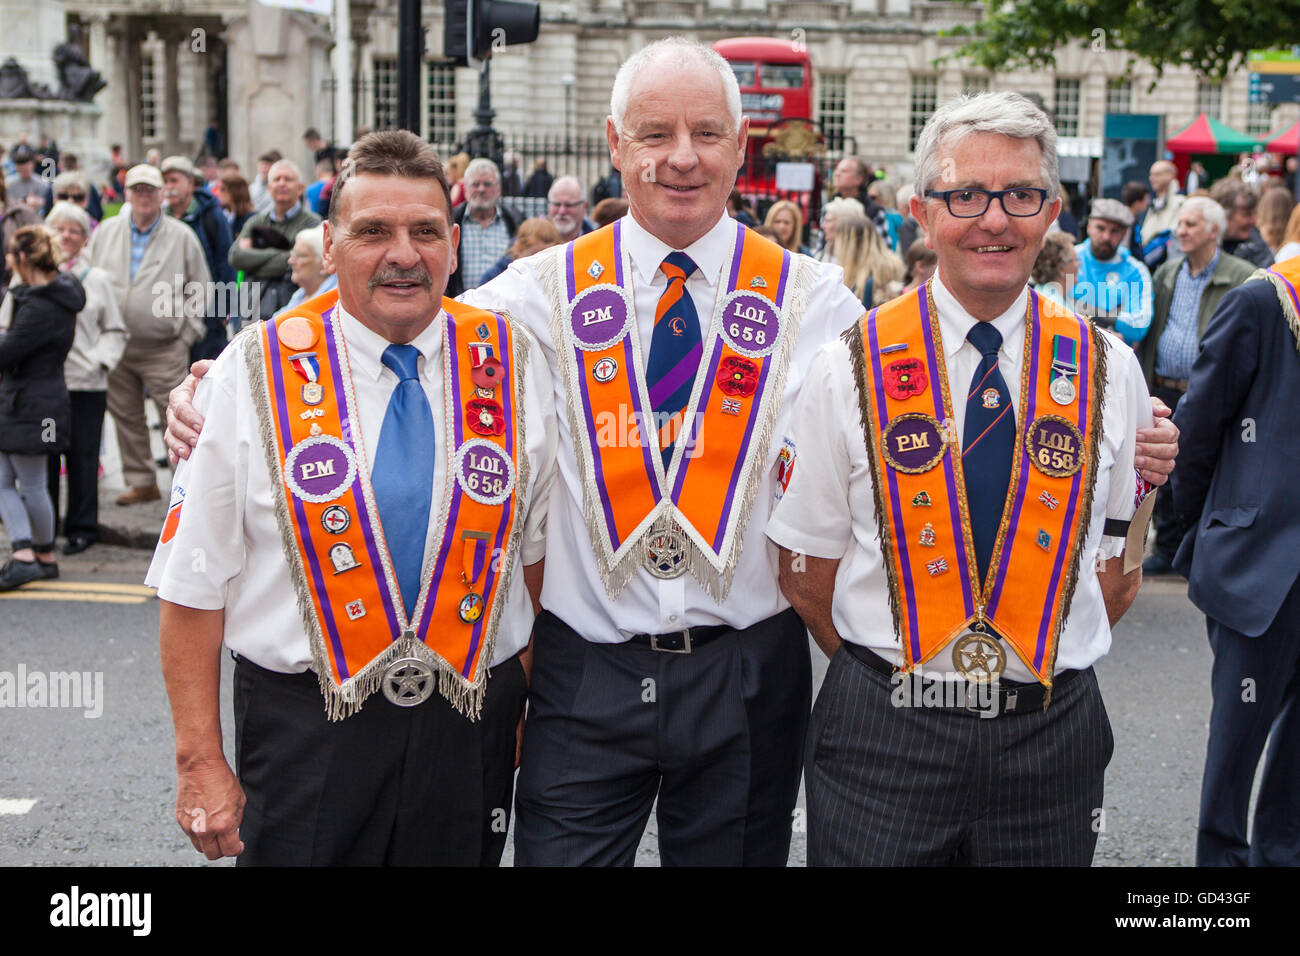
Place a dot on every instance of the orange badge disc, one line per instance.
(296, 334)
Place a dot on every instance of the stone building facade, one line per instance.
(264, 73)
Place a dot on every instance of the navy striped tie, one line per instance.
(675, 351)
(987, 442)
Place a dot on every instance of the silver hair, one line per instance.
(1210, 211)
(297, 173)
(1007, 114)
(64, 211)
(841, 207)
(315, 240)
(480, 165)
(672, 55)
(73, 177)
(567, 181)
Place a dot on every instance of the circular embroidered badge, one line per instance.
(750, 324)
(484, 471)
(1055, 446)
(905, 378)
(913, 443)
(599, 317)
(485, 417)
(737, 377)
(319, 469)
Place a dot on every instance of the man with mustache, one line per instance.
(363, 514)
(1113, 287)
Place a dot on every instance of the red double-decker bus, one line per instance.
(776, 88)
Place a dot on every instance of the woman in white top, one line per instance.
(96, 349)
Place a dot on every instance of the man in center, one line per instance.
(965, 461)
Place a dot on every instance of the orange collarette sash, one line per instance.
(333, 539)
(921, 508)
(691, 516)
(1285, 277)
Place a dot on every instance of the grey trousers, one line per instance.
(155, 369)
(916, 786)
(26, 510)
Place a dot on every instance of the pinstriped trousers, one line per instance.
(916, 786)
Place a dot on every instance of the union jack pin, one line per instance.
(937, 567)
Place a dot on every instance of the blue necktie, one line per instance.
(987, 442)
(402, 478)
(675, 352)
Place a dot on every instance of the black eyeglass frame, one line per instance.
(990, 195)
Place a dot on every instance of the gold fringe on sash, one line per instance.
(1284, 299)
(852, 337)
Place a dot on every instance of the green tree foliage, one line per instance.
(1210, 36)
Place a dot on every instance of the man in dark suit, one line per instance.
(1234, 487)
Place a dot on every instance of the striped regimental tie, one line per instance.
(987, 442)
(675, 351)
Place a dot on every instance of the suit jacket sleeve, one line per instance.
(1221, 378)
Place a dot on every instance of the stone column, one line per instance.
(171, 98)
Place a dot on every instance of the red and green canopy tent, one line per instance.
(1205, 134)
(1283, 141)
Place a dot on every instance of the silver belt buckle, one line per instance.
(686, 643)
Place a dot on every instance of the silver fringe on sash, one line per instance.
(1284, 299)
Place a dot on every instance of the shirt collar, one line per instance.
(707, 252)
(955, 322)
(145, 232)
(1209, 267)
(292, 211)
(366, 346)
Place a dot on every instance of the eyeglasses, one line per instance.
(75, 197)
(1022, 201)
(568, 205)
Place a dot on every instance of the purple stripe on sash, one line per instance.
(909, 591)
(304, 529)
(476, 630)
(332, 332)
(448, 535)
(1291, 290)
(677, 376)
(618, 255)
(1027, 416)
(476, 634)
(779, 298)
(1081, 419)
(735, 256)
(949, 460)
(570, 282)
(740, 458)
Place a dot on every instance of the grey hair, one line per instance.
(1210, 211)
(480, 165)
(64, 211)
(841, 207)
(73, 177)
(315, 240)
(567, 181)
(672, 55)
(1007, 114)
(297, 173)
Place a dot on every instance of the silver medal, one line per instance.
(409, 682)
(1062, 390)
(664, 549)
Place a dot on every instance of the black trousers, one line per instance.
(716, 735)
(1256, 687)
(391, 786)
(1169, 529)
(918, 786)
(81, 516)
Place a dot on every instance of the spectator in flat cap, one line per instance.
(1113, 287)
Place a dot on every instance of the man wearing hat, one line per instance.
(201, 211)
(1112, 287)
(152, 260)
(24, 183)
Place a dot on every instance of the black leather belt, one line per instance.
(1013, 697)
(1179, 384)
(683, 641)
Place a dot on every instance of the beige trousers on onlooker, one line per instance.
(159, 369)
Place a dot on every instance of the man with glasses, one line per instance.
(964, 463)
(487, 226)
(566, 207)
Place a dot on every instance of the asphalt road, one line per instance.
(99, 790)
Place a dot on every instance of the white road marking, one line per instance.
(15, 807)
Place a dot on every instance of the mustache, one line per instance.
(418, 274)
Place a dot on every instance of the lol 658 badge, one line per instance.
(905, 378)
(485, 472)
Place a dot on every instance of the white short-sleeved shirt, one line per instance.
(828, 510)
(648, 605)
(227, 551)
